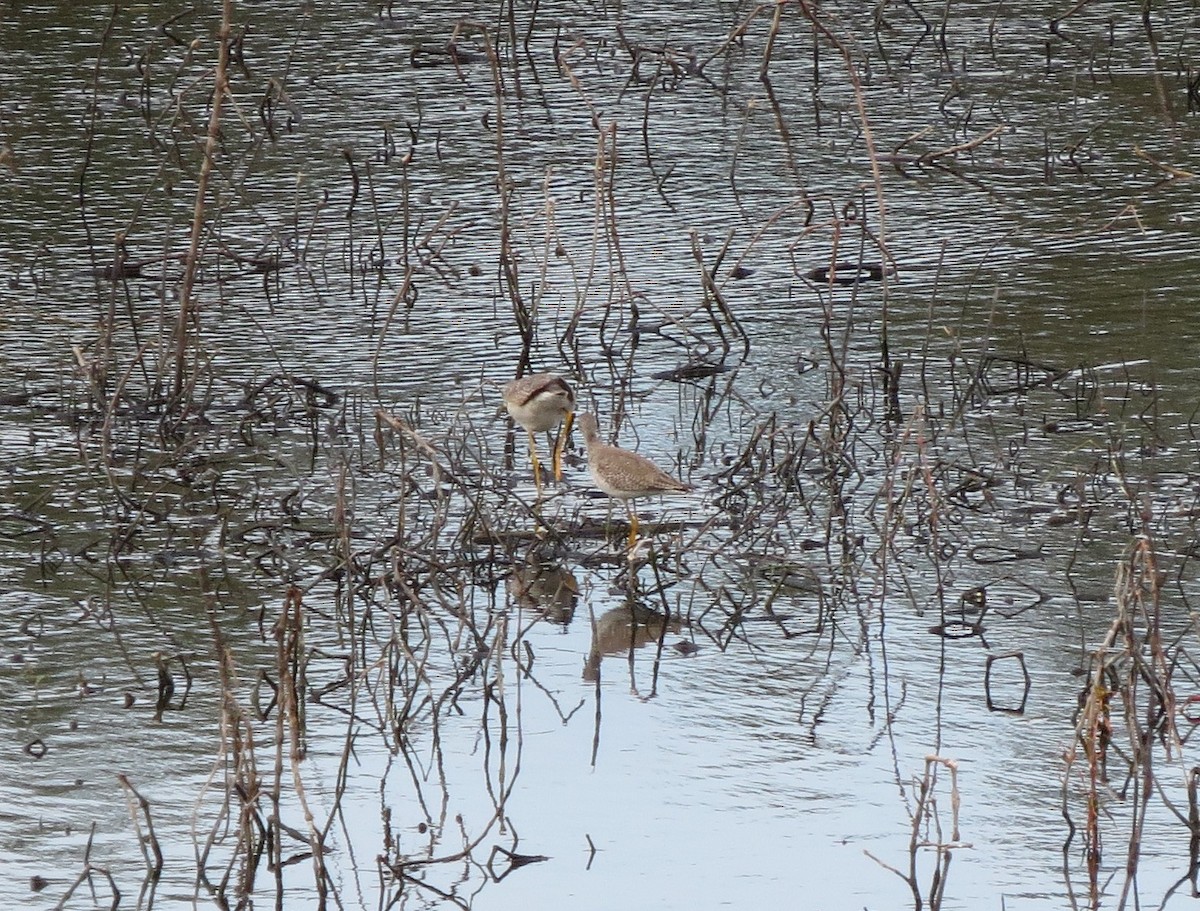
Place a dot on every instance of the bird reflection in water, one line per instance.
(622, 629)
(546, 587)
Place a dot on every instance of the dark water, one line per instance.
(1037, 298)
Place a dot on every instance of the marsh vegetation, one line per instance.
(902, 290)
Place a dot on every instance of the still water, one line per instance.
(811, 727)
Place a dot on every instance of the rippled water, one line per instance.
(780, 757)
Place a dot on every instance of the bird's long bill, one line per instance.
(560, 443)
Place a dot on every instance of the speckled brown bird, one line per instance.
(623, 474)
(539, 403)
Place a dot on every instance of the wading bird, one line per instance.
(623, 474)
(539, 403)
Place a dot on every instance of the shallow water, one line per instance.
(778, 728)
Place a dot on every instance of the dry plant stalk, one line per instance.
(237, 766)
(927, 832)
(290, 714)
(86, 875)
(212, 142)
(148, 841)
(1130, 693)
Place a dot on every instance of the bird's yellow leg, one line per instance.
(556, 456)
(633, 528)
(560, 443)
(537, 468)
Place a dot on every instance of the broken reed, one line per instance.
(1127, 724)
